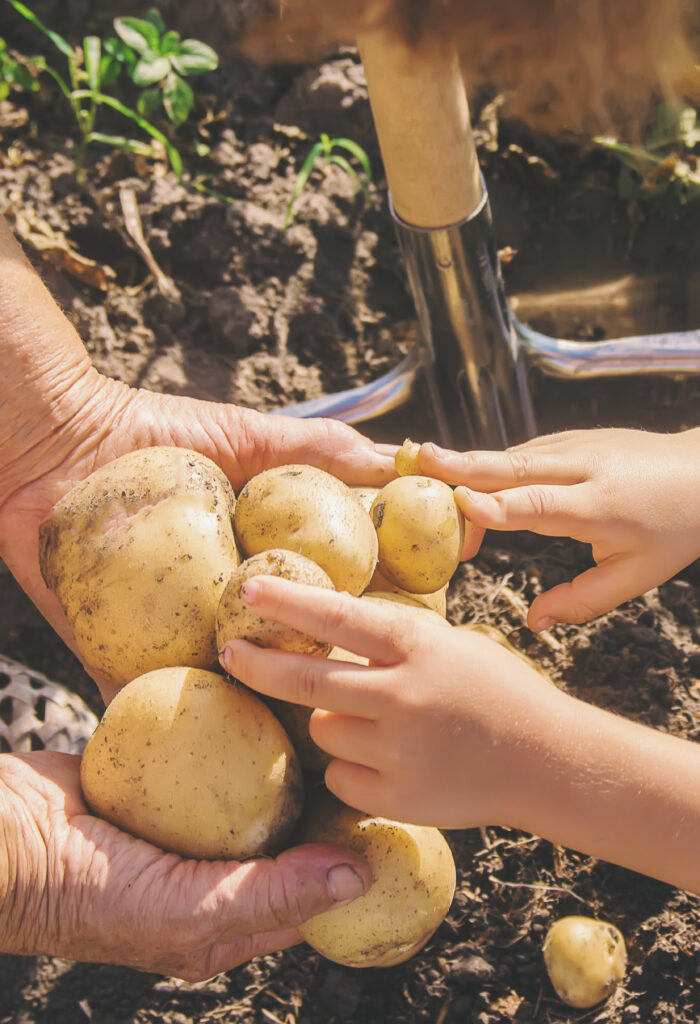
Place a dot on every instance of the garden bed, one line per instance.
(246, 313)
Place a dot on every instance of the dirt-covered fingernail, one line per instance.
(344, 883)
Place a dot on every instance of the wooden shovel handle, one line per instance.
(421, 114)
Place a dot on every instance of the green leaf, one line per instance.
(122, 142)
(150, 69)
(137, 33)
(193, 58)
(156, 20)
(149, 101)
(92, 51)
(119, 51)
(58, 41)
(177, 99)
(110, 69)
(169, 43)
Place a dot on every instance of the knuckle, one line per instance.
(540, 500)
(308, 685)
(521, 464)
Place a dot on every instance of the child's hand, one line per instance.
(441, 728)
(634, 496)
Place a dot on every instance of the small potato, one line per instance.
(194, 764)
(137, 555)
(234, 620)
(406, 459)
(304, 509)
(437, 602)
(420, 531)
(414, 882)
(295, 719)
(585, 959)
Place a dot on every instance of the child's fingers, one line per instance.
(542, 508)
(302, 679)
(354, 784)
(358, 626)
(493, 471)
(473, 536)
(592, 593)
(346, 737)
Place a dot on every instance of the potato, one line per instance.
(194, 764)
(437, 602)
(137, 555)
(420, 531)
(414, 882)
(234, 620)
(585, 960)
(406, 459)
(409, 600)
(295, 720)
(305, 509)
(365, 496)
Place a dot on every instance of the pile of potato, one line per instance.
(147, 558)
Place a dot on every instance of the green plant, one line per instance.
(15, 73)
(96, 65)
(162, 61)
(325, 149)
(665, 169)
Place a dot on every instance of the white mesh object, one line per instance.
(36, 713)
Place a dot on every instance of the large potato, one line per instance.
(410, 601)
(305, 509)
(195, 764)
(414, 882)
(420, 531)
(234, 620)
(138, 555)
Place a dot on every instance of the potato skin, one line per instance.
(137, 555)
(409, 600)
(304, 509)
(234, 620)
(195, 764)
(414, 882)
(437, 602)
(420, 531)
(585, 959)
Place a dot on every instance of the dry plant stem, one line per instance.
(421, 114)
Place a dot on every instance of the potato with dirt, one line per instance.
(414, 882)
(138, 555)
(195, 764)
(585, 959)
(235, 621)
(420, 532)
(304, 509)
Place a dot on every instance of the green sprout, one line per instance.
(147, 54)
(325, 148)
(665, 170)
(163, 60)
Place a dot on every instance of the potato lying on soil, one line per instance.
(420, 531)
(585, 959)
(414, 882)
(304, 509)
(234, 620)
(196, 765)
(295, 719)
(137, 555)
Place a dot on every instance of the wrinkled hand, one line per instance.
(81, 889)
(439, 729)
(113, 420)
(634, 496)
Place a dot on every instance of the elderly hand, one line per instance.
(74, 886)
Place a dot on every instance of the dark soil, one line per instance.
(262, 318)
